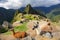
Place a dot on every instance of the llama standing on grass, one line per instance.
(35, 27)
(19, 35)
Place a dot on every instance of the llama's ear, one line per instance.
(33, 28)
(48, 23)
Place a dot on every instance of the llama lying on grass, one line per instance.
(43, 27)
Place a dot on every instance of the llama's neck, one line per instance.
(13, 31)
(37, 31)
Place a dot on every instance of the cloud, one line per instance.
(11, 4)
(15, 4)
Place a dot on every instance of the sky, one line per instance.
(15, 4)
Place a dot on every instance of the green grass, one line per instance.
(18, 28)
(21, 28)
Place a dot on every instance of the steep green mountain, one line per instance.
(54, 14)
(29, 10)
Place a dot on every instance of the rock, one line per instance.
(7, 25)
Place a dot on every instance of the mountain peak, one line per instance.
(28, 5)
(29, 10)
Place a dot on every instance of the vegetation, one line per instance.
(21, 28)
(56, 18)
(14, 18)
(54, 15)
(27, 9)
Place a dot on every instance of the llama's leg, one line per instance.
(51, 34)
(0, 38)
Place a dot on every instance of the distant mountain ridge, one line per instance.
(45, 9)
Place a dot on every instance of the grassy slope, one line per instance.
(19, 28)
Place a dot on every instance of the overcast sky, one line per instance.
(15, 4)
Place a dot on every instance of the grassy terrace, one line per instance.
(18, 28)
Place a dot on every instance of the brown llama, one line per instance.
(19, 35)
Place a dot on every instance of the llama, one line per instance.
(19, 35)
(44, 27)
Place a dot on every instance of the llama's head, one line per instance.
(36, 25)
